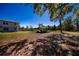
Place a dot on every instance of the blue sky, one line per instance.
(24, 15)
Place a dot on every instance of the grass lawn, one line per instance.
(68, 32)
(73, 33)
(23, 34)
(14, 35)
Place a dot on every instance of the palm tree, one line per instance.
(55, 10)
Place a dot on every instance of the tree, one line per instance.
(40, 26)
(68, 25)
(27, 27)
(48, 27)
(31, 28)
(54, 27)
(76, 22)
(22, 28)
(55, 10)
(76, 13)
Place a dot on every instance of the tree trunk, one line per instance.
(77, 25)
(60, 25)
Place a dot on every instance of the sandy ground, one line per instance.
(46, 44)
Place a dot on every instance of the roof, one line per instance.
(9, 21)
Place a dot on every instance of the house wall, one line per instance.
(10, 26)
(1, 29)
(1, 22)
(12, 29)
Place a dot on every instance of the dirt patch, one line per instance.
(45, 45)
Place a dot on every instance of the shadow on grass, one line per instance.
(52, 45)
(17, 47)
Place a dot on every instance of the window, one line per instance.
(14, 28)
(15, 23)
(5, 23)
(5, 29)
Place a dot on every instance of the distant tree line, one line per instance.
(27, 28)
(67, 25)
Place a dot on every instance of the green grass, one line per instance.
(68, 32)
(49, 31)
(22, 34)
(72, 33)
(13, 35)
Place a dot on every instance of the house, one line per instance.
(8, 26)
